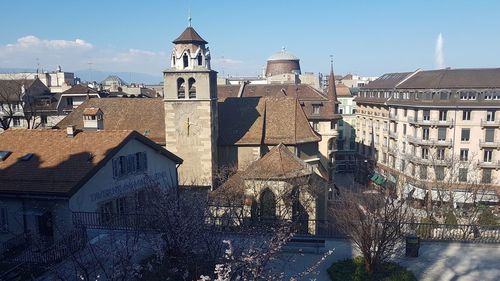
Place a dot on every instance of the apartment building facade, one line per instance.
(433, 127)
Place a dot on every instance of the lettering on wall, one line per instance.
(161, 178)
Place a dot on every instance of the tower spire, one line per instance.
(332, 91)
(189, 18)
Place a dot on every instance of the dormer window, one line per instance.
(315, 109)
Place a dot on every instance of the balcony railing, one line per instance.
(103, 220)
(430, 122)
(489, 144)
(429, 142)
(490, 164)
(493, 123)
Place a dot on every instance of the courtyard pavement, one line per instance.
(437, 261)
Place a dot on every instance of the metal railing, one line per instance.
(234, 219)
(102, 220)
(492, 123)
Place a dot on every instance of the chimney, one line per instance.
(70, 131)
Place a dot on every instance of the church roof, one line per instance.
(145, 116)
(258, 120)
(189, 36)
(282, 55)
(278, 163)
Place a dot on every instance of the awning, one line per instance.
(378, 179)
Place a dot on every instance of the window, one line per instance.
(465, 134)
(427, 115)
(439, 173)
(490, 115)
(440, 154)
(488, 155)
(402, 165)
(4, 154)
(181, 92)
(489, 135)
(341, 111)
(121, 205)
(405, 112)
(185, 60)
(425, 133)
(425, 153)
(4, 220)
(316, 125)
(423, 172)
(129, 164)
(486, 177)
(43, 119)
(333, 125)
(69, 101)
(200, 59)
(464, 154)
(192, 88)
(466, 115)
(443, 95)
(16, 122)
(315, 109)
(442, 115)
(404, 129)
(462, 174)
(441, 134)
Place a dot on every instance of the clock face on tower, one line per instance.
(187, 123)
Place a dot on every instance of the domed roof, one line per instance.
(282, 55)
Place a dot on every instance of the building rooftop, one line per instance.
(453, 78)
(269, 120)
(278, 163)
(145, 116)
(282, 55)
(48, 162)
(189, 35)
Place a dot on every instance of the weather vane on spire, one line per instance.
(189, 18)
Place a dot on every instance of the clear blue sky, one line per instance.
(365, 37)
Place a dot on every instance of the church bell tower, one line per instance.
(190, 96)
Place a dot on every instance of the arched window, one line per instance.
(192, 88)
(185, 60)
(267, 205)
(200, 59)
(181, 93)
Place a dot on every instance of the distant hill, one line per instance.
(98, 76)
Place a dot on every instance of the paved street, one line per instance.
(437, 261)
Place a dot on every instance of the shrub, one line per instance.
(450, 218)
(487, 218)
(354, 270)
(425, 231)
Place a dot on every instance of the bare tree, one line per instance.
(373, 222)
(17, 102)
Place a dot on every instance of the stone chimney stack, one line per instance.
(71, 131)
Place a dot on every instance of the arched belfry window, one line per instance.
(181, 93)
(200, 59)
(267, 205)
(192, 88)
(185, 60)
